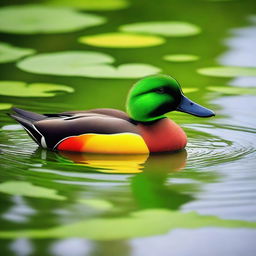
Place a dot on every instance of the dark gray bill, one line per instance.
(190, 107)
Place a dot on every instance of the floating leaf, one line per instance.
(121, 40)
(23, 188)
(163, 28)
(33, 19)
(5, 106)
(97, 204)
(67, 63)
(233, 90)
(227, 71)
(98, 5)
(83, 63)
(180, 57)
(188, 90)
(133, 70)
(142, 223)
(22, 89)
(9, 53)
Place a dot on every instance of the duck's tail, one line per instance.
(27, 120)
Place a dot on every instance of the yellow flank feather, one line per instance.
(124, 143)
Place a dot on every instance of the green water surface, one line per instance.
(200, 201)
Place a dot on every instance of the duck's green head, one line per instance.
(150, 98)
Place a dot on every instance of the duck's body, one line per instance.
(101, 131)
(112, 131)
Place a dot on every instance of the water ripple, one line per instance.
(219, 144)
(208, 145)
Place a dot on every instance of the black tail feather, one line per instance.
(24, 122)
(28, 126)
(31, 116)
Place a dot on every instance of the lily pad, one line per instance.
(139, 224)
(9, 53)
(67, 63)
(133, 70)
(226, 71)
(97, 204)
(85, 64)
(98, 5)
(33, 19)
(5, 106)
(121, 40)
(22, 89)
(163, 28)
(180, 57)
(189, 90)
(23, 188)
(233, 90)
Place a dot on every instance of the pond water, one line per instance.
(200, 201)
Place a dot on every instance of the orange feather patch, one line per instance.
(122, 143)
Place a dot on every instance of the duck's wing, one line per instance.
(103, 111)
(55, 130)
(27, 119)
(50, 131)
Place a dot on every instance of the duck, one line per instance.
(144, 129)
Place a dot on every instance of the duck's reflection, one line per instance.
(160, 163)
(108, 163)
(148, 185)
(150, 188)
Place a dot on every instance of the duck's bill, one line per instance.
(190, 107)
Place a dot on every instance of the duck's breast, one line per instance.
(163, 136)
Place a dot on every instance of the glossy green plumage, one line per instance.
(152, 97)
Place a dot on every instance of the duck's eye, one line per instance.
(160, 90)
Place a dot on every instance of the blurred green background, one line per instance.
(199, 201)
